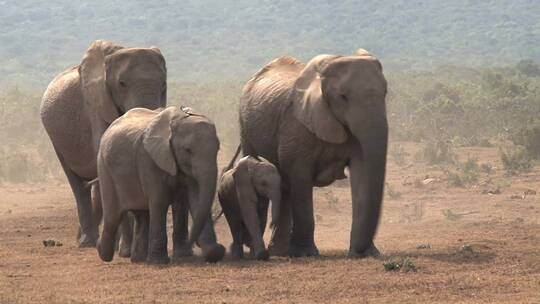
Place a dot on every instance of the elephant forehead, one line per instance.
(128, 59)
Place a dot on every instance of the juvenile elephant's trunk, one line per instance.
(206, 181)
(201, 209)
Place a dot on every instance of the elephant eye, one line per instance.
(123, 84)
(344, 97)
(188, 150)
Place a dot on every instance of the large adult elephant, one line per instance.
(80, 103)
(312, 121)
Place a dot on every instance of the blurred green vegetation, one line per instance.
(450, 106)
(460, 72)
(228, 40)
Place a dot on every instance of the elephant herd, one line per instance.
(128, 157)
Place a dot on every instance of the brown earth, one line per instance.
(484, 248)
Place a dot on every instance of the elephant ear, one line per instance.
(310, 107)
(157, 140)
(245, 190)
(93, 75)
(364, 53)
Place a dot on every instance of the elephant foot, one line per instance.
(181, 251)
(372, 251)
(105, 254)
(237, 251)
(213, 253)
(158, 260)
(297, 251)
(139, 254)
(262, 255)
(124, 250)
(278, 249)
(86, 241)
(138, 258)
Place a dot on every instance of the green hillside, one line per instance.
(228, 40)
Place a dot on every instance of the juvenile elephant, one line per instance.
(147, 160)
(244, 193)
(311, 121)
(81, 102)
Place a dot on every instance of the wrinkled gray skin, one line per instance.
(80, 103)
(244, 193)
(312, 121)
(148, 160)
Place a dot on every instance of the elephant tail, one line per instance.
(231, 163)
(227, 168)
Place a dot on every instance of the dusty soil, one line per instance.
(483, 248)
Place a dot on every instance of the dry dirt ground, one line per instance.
(483, 248)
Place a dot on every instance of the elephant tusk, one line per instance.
(90, 183)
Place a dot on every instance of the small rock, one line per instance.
(466, 249)
(517, 196)
(49, 243)
(428, 181)
(529, 192)
(492, 191)
(423, 246)
(59, 244)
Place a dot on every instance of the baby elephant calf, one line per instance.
(244, 193)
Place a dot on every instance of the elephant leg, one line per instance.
(302, 236)
(126, 237)
(157, 248)
(88, 227)
(181, 246)
(105, 244)
(250, 217)
(96, 203)
(262, 210)
(232, 215)
(279, 241)
(237, 246)
(139, 246)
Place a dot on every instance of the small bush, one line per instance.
(467, 174)
(438, 152)
(392, 193)
(486, 168)
(516, 161)
(404, 265)
(399, 155)
(412, 212)
(529, 137)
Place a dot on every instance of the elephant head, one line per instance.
(258, 177)
(186, 144)
(341, 99)
(115, 79)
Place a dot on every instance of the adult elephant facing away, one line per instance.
(80, 103)
(312, 121)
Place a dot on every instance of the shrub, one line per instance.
(438, 152)
(404, 265)
(516, 161)
(529, 137)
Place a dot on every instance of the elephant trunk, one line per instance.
(367, 174)
(275, 199)
(201, 208)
